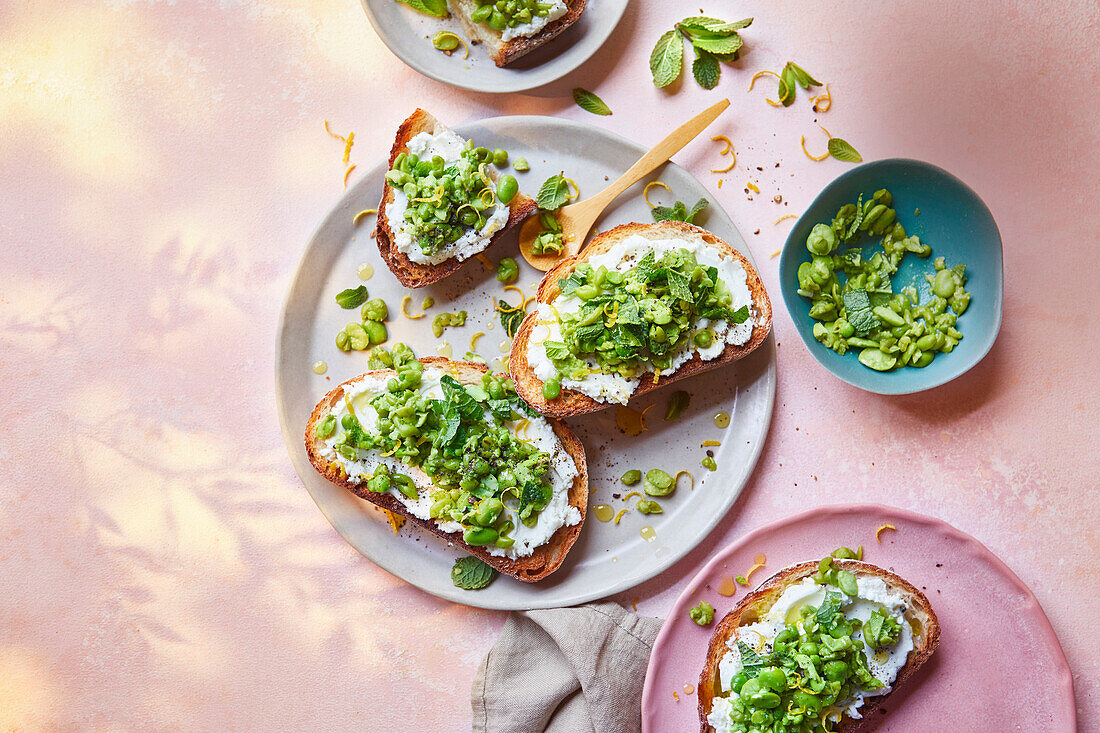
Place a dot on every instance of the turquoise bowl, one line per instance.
(958, 226)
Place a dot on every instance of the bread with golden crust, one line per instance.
(546, 558)
(505, 52)
(754, 606)
(415, 274)
(571, 402)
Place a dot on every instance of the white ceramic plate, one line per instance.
(607, 558)
(408, 34)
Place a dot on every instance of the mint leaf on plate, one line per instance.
(469, 573)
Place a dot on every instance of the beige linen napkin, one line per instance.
(565, 670)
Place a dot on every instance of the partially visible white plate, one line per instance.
(408, 34)
(608, 557)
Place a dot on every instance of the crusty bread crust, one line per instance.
(572, 402)
(413, 274)
(503, 53)
(757, 603)
(546, 558)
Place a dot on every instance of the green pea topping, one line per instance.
(507, 188)
(658, 483)
(507, 271)
(482, 476)
(703, 614)
(631, 477)
(375, 310)
(445, 320)
(628, 322)
(342, 341)
(357, 336)
(649, 507)
(445, 41)
(853, 299)
(709, 463)
(500, 158)
(521, 165)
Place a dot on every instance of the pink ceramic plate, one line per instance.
(999, 666)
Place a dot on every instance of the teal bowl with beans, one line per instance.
(941, 212)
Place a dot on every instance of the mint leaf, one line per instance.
(751, 662)
(802, 77)
(705, 69)
(829, 608)
(469, 573)
(589, 102)
(843, 150)
(556, 350)
(716, 43)
(437, 8)
(352, 297)
(696, 210)
(510, 320)
(678, 285)
(666, 61)
(787, 84)
(857, 307)
(739, 316)
(714, 25)
(553, 193)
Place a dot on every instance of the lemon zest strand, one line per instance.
(821, 157)
(570, 183)
(404, 310)
(676, 478)
(651, 184)
(361, 214)
(474, 338)
(752, 187)
(485, 261)
(784, 218)
(347, 147)
(723, 139)
(348, 173)
(880, 530)
(330, 132)
(522, 298)
(620, 515)
(728, 168)
(631, 495)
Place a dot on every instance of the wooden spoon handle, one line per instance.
(673, 143)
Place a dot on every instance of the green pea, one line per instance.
(379, 483)
(943, 284)
(703, 339)
(631, 477)
(886, 315)
(342, 341)
(483, 155)
(521, 165)
(500, 157)
(773, 678)
(376, 332)
(507, 271)
(658, 483)
(551, 389)
(488, 511)
(649, 507)
(843, 553)
(375, 309)
(481, 14)
(836, 671)
(847, 583)
(877, 360)
(924, 359)
(765, 699)
(357, 336)
(445, 41)
(479, 536)
(586, 292)
(507, 188)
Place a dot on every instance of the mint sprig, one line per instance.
(469, 573)
(712, 39)
(589, 102)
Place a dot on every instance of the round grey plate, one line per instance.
(607, 557)
(408, 34)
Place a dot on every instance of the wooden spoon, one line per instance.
(577, 219)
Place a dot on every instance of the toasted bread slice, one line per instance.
(505, 52)
(756, 604)
(414, 274)
(547, 557)
(571, 402)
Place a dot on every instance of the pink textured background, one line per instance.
(161, 166)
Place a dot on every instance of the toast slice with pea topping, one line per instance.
(917, 613)
(571, 402)
(545, 558)
(414, 274)
(505, 52)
